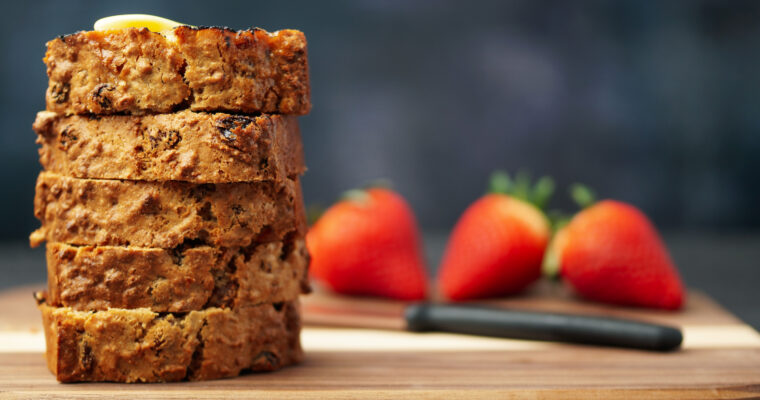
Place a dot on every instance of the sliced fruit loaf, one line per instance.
(164, 214)
(136, 71)
(140, 345)
(176, 280)
(183, 146)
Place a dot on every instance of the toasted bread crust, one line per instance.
(183, 146)
(135, 71)
(120, 345)
(164, 214)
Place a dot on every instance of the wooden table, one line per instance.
(720, 359)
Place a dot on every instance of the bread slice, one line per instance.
(135, 71)
(144, 346)
(183, 146)
(164, 214)
(178, 280)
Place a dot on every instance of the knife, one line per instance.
(555, 327)
(323, 309)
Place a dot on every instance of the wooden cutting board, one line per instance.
(720, 359)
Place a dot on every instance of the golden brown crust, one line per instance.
(135, 71)
(179, 280)
(143, 346)
(183, 146)
(164, 214)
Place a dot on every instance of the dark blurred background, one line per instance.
(654, 103)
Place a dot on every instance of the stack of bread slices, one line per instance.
(170, 203)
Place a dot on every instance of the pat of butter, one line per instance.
(152, 22)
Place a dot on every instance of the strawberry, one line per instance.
(369, 245)
(610, 252)
(498, 243)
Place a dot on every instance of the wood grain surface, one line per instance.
(720, 359)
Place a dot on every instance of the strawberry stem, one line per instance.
(359, 196)
(521, 189)
(542, 192)
(558, 219)
(537, 194)
(500, 182)
(582, 195)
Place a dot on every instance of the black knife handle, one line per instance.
(498, 322)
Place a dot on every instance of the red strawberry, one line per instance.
(369, 245)
(610, 252)
(497, 245)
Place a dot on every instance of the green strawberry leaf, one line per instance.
(359, 196)
(582, 195)
(558, 219)
(522, 188)
(500, 182)
(542, 192)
